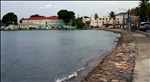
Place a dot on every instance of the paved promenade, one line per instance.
(142, 63)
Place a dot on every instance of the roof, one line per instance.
(43, 18)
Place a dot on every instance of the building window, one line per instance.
(109, 18)
(118, 18)
(118, 21)
(100, 19)
(106, 18)
(103, 18)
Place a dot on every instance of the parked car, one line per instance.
(144, 26)
(111, 26)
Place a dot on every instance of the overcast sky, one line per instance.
(49, 8)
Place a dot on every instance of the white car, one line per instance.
(110, 26)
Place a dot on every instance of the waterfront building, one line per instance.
(39, 23)
(42, 22)
(121, 19)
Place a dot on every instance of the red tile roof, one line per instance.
(43, 18)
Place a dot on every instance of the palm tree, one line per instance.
(143, 7)
(148, 12)
(96, 16)
(112, 15)
(136, 11)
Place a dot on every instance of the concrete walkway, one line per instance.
(142, 63)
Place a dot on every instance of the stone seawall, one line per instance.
(117, 66)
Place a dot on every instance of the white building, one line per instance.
(103, 20)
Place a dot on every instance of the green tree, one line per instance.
(36, 15)
(21, 20)
(136, 11)
(66, 16)
(143, 8)
(79, 23)
(148, 12)
(10, 18)
(112, 15)
(85, 17)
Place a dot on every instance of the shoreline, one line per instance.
(112, 68)
(118, 65)
(78, 75)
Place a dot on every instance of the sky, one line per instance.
(24, 9)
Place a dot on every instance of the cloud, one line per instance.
(48, 6)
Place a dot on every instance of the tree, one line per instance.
(79, 23)
(96, 16)
(10, 18)
(143, 8)
(21, 20)
(135, 11)
(148, 12)
(36, 15)
(85, 17)
(66, 16)
(112, 15)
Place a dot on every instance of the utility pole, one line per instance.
(123, 21)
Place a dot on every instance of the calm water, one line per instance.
(43, 56)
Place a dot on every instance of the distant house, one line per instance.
(102, 20)
(121, 19)
(41, 22)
